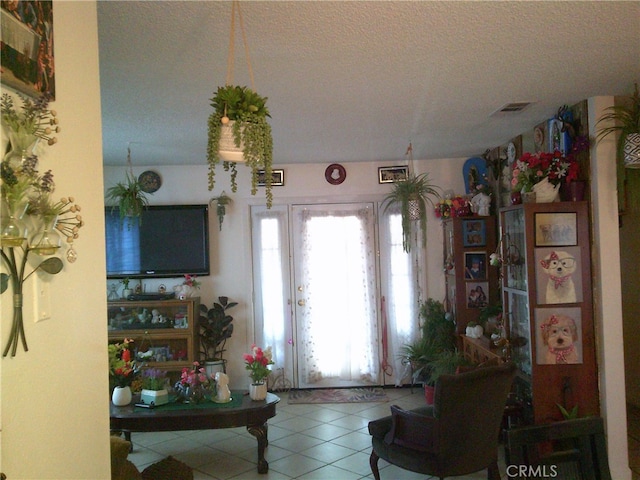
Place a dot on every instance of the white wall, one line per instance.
(54, 398)
(230, 249)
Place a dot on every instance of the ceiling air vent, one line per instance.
(513, 107)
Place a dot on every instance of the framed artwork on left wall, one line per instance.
(27, 55)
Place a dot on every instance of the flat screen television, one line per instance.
(171, 241)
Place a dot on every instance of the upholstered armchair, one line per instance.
(458, 435)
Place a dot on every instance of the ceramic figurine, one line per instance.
(223, 394)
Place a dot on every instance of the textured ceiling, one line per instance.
(357, 81)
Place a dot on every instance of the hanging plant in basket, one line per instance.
(625, 120)
(414, 197)
(240, 115)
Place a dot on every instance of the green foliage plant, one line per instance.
(129, 197)
(248, 112)
(416, 188)
(216, 328)
(435, 352)
(624, 119)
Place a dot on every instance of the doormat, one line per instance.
(337, 395)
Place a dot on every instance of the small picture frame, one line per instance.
(558, 336)
(477, 294)
(276, 175)
(392, 174)
(474, 233)
(556, 229)
(475, 266)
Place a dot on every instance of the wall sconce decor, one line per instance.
(33, 224)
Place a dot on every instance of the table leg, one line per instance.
(260, 432)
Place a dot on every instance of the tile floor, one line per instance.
(319, 442)
(308, 442)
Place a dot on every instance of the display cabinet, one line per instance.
(548, 313)
(164, 331)
(470, 283)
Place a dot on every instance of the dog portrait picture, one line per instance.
(558, 275)
(558, 336)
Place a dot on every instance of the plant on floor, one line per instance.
(434, 353)
(412, 196)
(216, 328)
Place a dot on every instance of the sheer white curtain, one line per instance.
(335, 272)
(401, 274)
(272, 312)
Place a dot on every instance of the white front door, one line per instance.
(335, 295)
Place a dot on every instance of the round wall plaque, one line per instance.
(150, 181)
(335, 174)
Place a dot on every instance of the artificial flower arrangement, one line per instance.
(122, 367)
(154, 383)
(532, 168)
(193, 385)
(457, 206)
(190, 281)
(154, 379)
(257, 363)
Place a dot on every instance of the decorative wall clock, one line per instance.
(335, 174)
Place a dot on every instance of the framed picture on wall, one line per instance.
(276, 175)
(477, 294)
(556, 229)
(392, 174)
(27, 47)
(558, 336)
(558, 275)
(475, 265)
(474, 233)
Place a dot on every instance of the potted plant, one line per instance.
(432, 354)
(412, 196)
(129, 197)
(216, 328)
(238, 131)
(625, 120)
(154, 387)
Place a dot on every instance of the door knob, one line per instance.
(301, 303)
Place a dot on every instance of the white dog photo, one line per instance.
(557, 269)
(559, 335)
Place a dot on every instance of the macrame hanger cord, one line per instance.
(129, 164)
(409, 155)
(231, 58)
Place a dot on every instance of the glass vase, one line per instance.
(21, 147)
(46, 240)
(14, 231)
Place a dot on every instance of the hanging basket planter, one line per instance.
(632, 151)
(413, 208)
(238, 131)
(228, 150)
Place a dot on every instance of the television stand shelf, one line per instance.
(164, 331)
